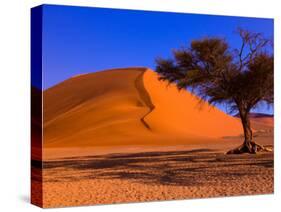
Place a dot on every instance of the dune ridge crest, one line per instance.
(144, 95)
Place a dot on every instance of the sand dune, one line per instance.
(261, 120)
(128, 107)
(180, 112)
(36, 123)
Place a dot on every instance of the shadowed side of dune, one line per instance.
(103, 108)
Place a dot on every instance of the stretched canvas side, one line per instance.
(36, 107)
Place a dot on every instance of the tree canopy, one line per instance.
(240, 77)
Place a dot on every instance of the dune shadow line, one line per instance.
(145, 97)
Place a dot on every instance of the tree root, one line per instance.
(249, 147)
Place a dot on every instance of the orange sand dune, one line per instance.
(183, 114)
(261, 121)
(266, 121)
(128, 107)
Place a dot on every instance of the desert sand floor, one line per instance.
(152, 176)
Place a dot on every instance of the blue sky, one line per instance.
(82, 39)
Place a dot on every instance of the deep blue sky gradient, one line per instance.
(80, 40)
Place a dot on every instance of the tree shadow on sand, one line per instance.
(177, 168)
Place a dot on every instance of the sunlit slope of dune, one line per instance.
(180, 111)
(261, 121)
(127, 107)
(267, 121)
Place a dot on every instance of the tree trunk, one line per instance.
(248, 146)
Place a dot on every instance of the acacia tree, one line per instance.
(241, 77)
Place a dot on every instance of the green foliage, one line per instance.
(240, 77)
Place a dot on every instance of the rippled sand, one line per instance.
(152, 176)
